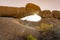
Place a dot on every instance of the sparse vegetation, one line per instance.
(30, 37)
(45, 27)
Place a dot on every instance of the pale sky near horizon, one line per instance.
(44, 4)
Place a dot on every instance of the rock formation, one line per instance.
(32, 9)
(12, 28)
(19, 12)
(46, 14)
(56, 14)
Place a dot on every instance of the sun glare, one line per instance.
(34, 18)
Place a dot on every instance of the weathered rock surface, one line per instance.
(32, 9)
(46, 14)
(12, 12)
(11, 29)
(56, 14)
(19, 12)
(49, 28)
(15, 29)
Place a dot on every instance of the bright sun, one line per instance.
(34, 18)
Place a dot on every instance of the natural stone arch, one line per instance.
(32, 8)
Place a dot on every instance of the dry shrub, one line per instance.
(44, 27)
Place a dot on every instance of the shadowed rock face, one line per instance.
(11, 29)
(46, 14)
(8, 27)
(54, 33)
(15, 29)
(21, 12)
(49, 28)
(56, 14)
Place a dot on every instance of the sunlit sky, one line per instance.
(44, 4)
(34, 18)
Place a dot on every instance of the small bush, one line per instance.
(30, 37)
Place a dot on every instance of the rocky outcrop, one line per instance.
(19, 12)
(46, 14)
(29, 9)
(15, 12)
(49, 29)
(8, 11)
(12, 28)
(32, 9)
(56, 14)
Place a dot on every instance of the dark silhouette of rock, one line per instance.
(56, 14)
